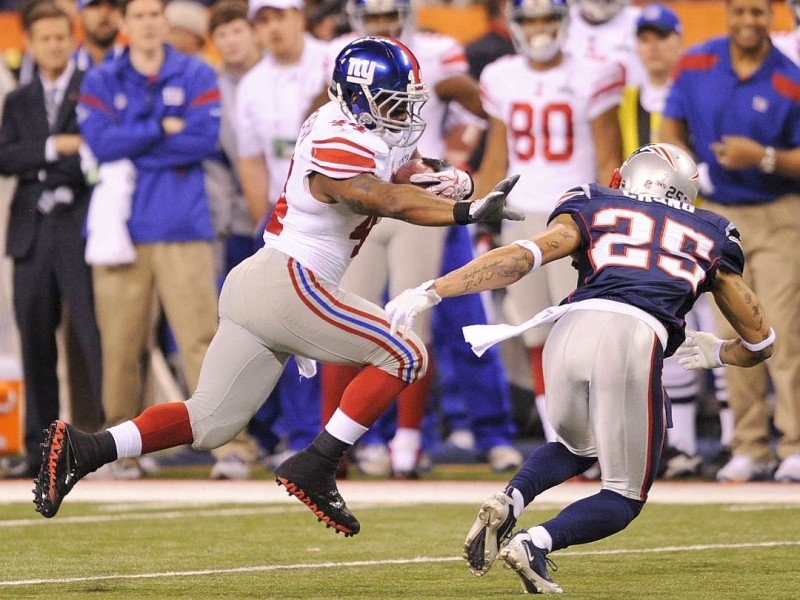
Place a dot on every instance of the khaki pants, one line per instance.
(182, 276)
(770, 236)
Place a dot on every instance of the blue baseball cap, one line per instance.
(658, 18)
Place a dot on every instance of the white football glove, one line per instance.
(700, 350)
(706, 185)
(446, 182)
(403, 309)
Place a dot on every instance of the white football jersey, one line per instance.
(613, 40)
(272, 101)
(788, 42)
(325, 237)
(439, 57)
(548, 117)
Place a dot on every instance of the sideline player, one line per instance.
(556, 124)
(285, 299)
(606, 30)
(644, 253)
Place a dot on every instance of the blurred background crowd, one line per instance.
(129, 187)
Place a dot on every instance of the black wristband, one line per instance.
(461, 213)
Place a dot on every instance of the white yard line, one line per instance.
(372, 563)
(371, 493)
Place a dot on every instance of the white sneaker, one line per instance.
(463, 439)
(789, 469)
(124, 469)
(374, 459)
(504, 458)
(149, 464)
(231, 466)
(273, 461)
(745, 468)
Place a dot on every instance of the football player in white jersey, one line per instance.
(285, 300)
(606, 30)
(788, 42)
(274, 98)
(557, 122)
(399, 254)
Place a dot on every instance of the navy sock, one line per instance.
(592, 519)
(546, 467)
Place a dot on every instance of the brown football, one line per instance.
(410, 167)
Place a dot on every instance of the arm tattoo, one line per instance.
(504, 268)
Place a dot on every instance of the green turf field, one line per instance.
(275, 551)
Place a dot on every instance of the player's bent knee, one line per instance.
(409, 361)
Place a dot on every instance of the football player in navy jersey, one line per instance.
(644, 253)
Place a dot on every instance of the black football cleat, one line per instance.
(311, 479)
(60, 469)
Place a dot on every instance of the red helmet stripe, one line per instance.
(412, 59)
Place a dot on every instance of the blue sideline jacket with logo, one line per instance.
(714, 101)
(120, 112)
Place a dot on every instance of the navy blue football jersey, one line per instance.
(656, 254)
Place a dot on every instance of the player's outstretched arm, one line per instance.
(495, 269)
(746, 314)
(366, 194)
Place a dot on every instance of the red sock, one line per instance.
(164, 426)
(412, 402)
(370, 394)
(537, 370)
(334, 379)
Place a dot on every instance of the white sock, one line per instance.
(541, 408)
(726, 426)
(683, 434)
(405, 448)
(127, 438)
(344, 429)
(541, 538)
(518, 501)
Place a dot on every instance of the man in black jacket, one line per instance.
(40, 145)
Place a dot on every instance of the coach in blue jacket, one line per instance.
(160, 110)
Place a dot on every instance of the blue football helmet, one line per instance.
(378, 83)
(398, 17)
(546, 42)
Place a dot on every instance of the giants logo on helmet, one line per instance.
(361, 71)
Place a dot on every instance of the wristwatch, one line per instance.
(769, 161)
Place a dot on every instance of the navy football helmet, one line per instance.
(378, 83)
(545, 43)
(397, 22)
(661, 170)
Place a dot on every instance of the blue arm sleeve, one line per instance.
(109, 136)
(198, 140)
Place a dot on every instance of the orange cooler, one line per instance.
(11, 400)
